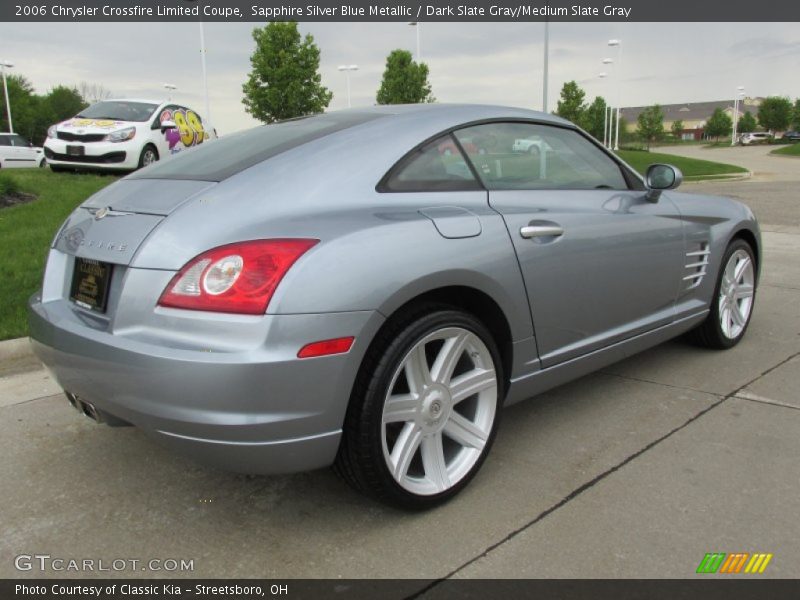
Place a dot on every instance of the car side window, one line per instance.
(531, 156)
(19, 141)
(5, 140)
(438, 166)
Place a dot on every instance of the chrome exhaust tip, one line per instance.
(86, 408)
(73, 400)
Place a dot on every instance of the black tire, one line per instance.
(709, 333)
(43, 163)
(360, 460)
(147, 151)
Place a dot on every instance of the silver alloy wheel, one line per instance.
(736, 294)
(439, 411)
(149, 157)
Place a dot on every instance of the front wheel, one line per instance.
(424, 412)
(148, 156)
(733, 300)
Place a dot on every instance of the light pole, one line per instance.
(4, 64)
(170, 87)
(739, 94)
(605, 113)
(205, 75)
(417, 26)
(347, 69)
(618, 44)
(546, 74)
(609, 109)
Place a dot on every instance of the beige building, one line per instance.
(693, 114)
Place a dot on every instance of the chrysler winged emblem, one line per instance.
(107, 211)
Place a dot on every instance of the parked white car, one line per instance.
(17, 152)
(124, 135)
(532, 145)
(755, 137)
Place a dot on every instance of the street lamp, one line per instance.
(546, 73)
(739, 94)
(347, 69)
(605, 114)
(417, 26)
(170, 87)
(4, 64)
(609, 110)
(205, 75)
(618, 45)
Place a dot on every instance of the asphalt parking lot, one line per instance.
(636, 471)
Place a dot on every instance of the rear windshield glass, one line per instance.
(231, 154)
(117, 110)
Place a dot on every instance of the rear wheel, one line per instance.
(424, 410)
(733, 301)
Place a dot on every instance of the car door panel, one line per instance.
(613, 273)
(600, 262)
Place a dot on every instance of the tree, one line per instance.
(65, 102)
(796, 115)
(284, 81)
(718, 124)
(93, 92)
(404, 81)
(570, 104)
(747, 123)
(593, 119)
(775, 113)
(651, 124)
(677, 129)
(31, 115)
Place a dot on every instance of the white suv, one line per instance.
(124, 135)
(17, 152)
(754, 138)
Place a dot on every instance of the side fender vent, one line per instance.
(696, 265)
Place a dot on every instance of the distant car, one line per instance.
(124, 135)
(759, 137)
(16, 152)
(530, 145)
(792, 136)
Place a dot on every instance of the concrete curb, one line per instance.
(725, 177)
(15, 349)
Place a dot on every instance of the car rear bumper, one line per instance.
(251, 410)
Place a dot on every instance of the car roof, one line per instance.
(373, 137)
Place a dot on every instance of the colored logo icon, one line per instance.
(737, 562)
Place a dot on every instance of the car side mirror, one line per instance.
(167, 125)
(659, 178)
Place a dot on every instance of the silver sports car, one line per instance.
(366, 288)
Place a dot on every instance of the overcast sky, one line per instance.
(499, 63)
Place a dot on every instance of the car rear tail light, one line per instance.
(236, 278)
(326, 347)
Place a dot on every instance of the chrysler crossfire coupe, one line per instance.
(335, 290)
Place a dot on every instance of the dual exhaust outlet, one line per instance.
(95, 414)
(87, 408)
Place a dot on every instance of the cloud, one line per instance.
(469, 62)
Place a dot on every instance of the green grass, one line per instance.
(793, 150)
(8, 185)
(690, 167)
(26, 231)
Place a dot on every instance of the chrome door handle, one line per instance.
(533, 231)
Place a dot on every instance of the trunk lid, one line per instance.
(112, 224)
